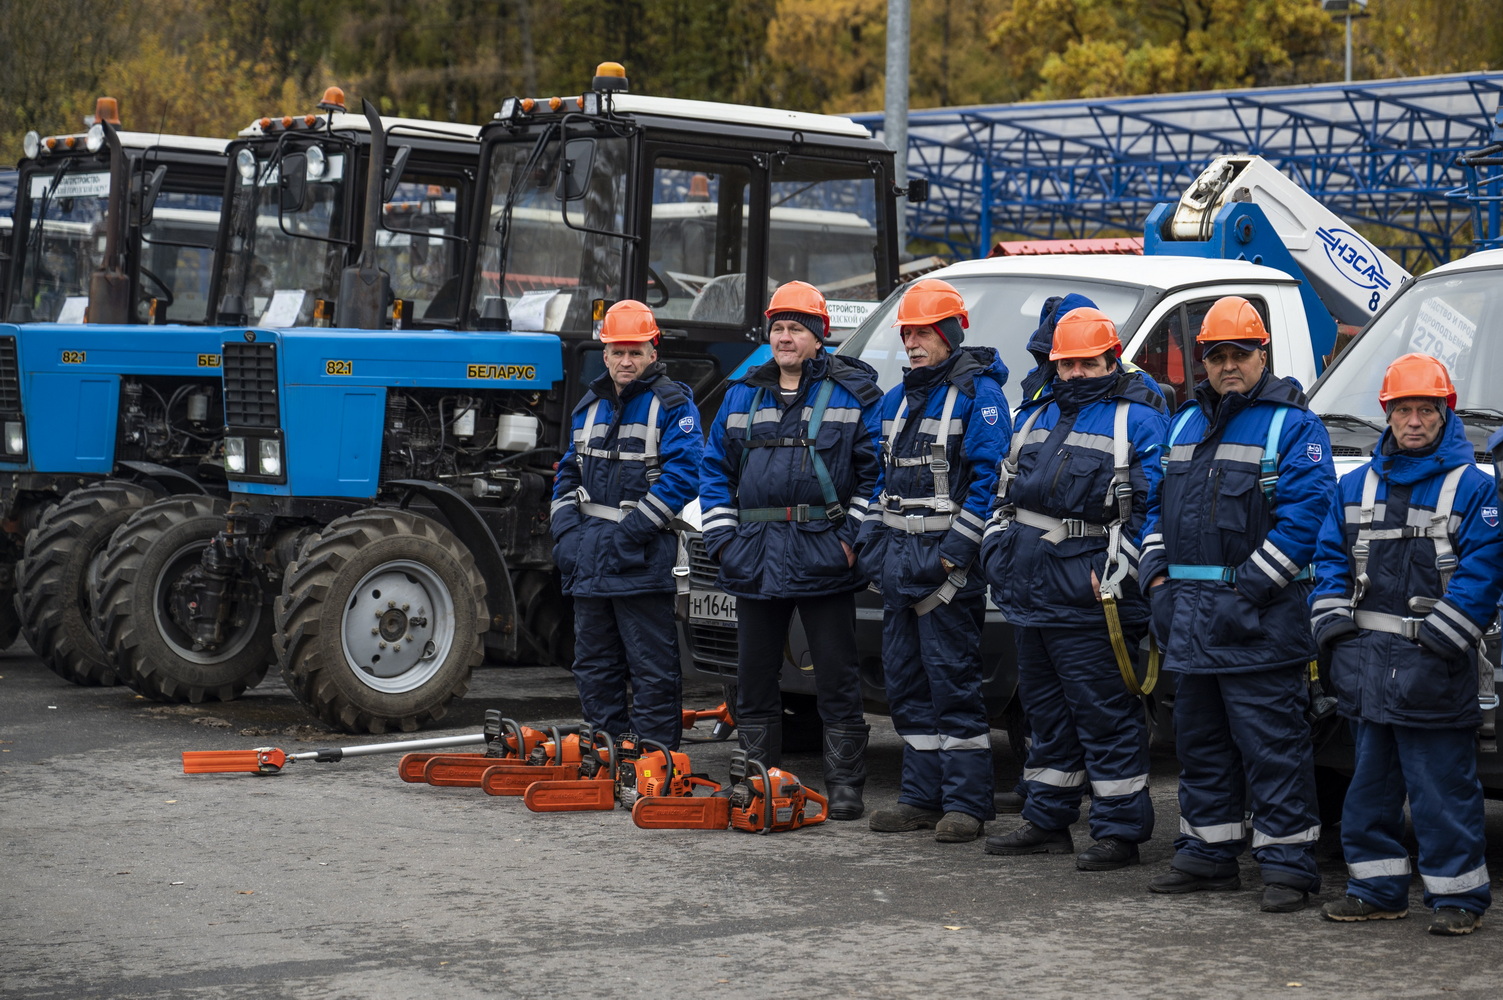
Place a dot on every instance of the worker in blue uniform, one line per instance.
(631, 465)
(945, 429)
(1408, 572)
(789, 468)
(1248, 480)
(1061, 554)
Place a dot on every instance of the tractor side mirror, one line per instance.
(292, 181)
(394, 173)
(574, 169)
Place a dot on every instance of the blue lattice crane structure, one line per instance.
(1380, 153)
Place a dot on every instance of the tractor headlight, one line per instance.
(15, 438)
(94, 139)
(245, 164)
(271, 457)
(234, 454)
(31, 145)
(317, 162)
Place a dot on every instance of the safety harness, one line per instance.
(1056, 530)
(941, 503)
(1268, 478)
(1438, 530)
(648, 456)
(832, 510)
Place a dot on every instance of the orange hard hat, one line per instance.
(1232, 318)
(929, 300)
(629, 322)
(801, 298)
(1084, 333)
(1417, 375)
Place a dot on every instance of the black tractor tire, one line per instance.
(151, 651)
(10, 619)
(56, 576)
(381, 585)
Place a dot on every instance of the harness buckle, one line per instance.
(1229, 574)
(914, 523)
(1410, 628)
(1447, 563)
(799, 513)
(834, 513)
(1074, 527)
(1123, 494)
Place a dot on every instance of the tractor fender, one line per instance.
(465, 521)
(167, 479)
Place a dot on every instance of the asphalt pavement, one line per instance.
(125, 878)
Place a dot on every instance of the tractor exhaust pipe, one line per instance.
(365, 289)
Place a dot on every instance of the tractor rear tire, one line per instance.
(381, 619)
(56, 574)
(152, 652)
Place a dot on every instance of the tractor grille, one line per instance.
(713, 647)
(702, 572)
(10, 377)
(250, 386)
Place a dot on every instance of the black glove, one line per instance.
(1333, 629)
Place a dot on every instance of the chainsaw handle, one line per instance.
(515, 728)
(824, 807)
(558, 746)
(667, 760)
(766, 793)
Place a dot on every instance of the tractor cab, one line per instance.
(698, 209)
(114, 226)
(296, 214)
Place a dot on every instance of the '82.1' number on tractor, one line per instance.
(339, 368)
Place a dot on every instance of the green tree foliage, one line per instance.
(1096, 48)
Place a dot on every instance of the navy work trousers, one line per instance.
(1244, 748)
(932, 666)
(629, 641)
(1086, 727)
(1437, 770)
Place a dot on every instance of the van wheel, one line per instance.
(381, 619)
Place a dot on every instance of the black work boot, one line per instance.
(762, 738)
(845, 768)
(1030, 839)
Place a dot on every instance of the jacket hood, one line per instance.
(853, 373)
(1268, 389)
(1451, 449)
(961, 369)
(1041, 342)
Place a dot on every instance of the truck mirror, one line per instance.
(394, 173)
(918, 190)
(292, 181)
(574, 169)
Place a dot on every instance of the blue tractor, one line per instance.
(103, 407)
(110, 421)
(403, 516)
(311, 201)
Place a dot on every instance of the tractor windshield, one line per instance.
(281, 257)
(553, 269)
(65, 209)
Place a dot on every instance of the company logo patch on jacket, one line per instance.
(1314, 451)
(989, 414)
(686, 424)
(1490, 516)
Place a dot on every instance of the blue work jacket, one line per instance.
(597, 557)
(1213, 513)
(1065, 469)
(791, 557)
(906, 564)
(1384, 677)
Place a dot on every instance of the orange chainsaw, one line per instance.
(505, 739)
(637, 769)
(558, 759)
(759, 800)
